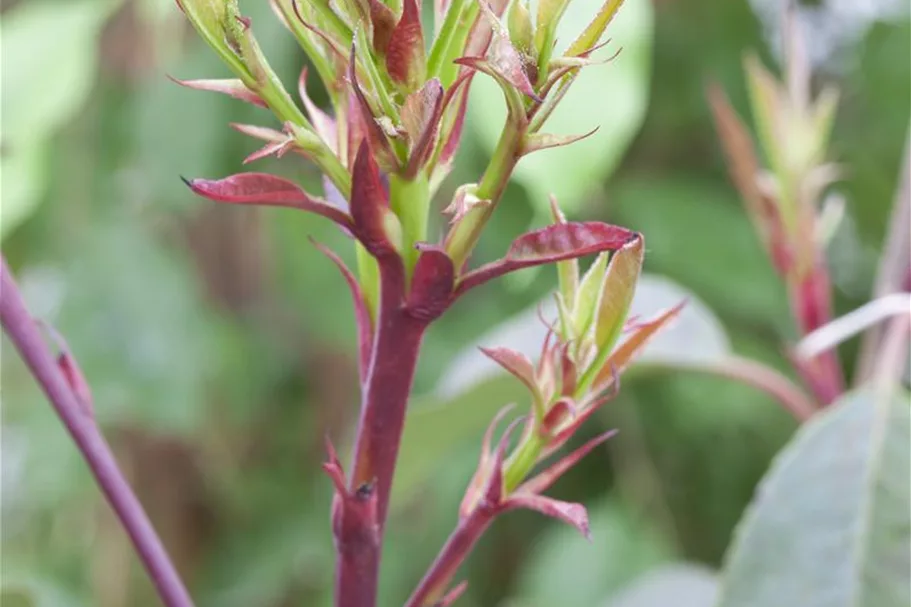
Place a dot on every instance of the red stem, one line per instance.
(385, 397)
(22, 331)
(811, 303)
(454, 552)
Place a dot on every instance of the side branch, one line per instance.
(23, 332)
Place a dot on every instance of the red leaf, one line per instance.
(504, 58)
(361, 314)
(474, 492)
(383, 20)
(559, 412)
(431, 284)
(517, 364)
(550, 244)
(369, 203)
(232, 87)
(455, 94)
(568, 512)
(544, 479)
(421, 114)
(405, 59)
(267, 190)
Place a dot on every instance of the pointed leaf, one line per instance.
(362, 317)
(617, 293)
(333, 468)
(568, 512)
(544, 141)
(592, 34)
(451, 140)
(233, 87)
(421, 114)
(588, 295)
(516, 363)
(542, 481)
(267, 190)
(370, 204)
(521, 31)
(259, 132)
(473, 493)
(405, 58)
(550, 244)
(504, 59)
(621, 357)
(431, 284)
(831, 522)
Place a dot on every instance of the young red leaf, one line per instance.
(431, 284)
(562, 410)
(382, 20)
(542, 481)
(519, 365)
(362, 317)
(421, 114)
(451, 131)
(405, 60)
(550, 244)
(568, 512)
(333, 468)
(473, 492)
(370, 204)
(232, 87)
(267, 190)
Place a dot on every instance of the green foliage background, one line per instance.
(218, 342)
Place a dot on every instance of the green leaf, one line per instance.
(680, 585)
(612, 97)
(565, 569)
(830, 525)
(49, 66)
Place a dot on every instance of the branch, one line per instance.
(23, 332)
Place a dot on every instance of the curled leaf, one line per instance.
(266, 190)
(421, 114)
(547, 245)
(382, 19)
(372, 129)
(370, 204)
(617, 292)
(568, 512)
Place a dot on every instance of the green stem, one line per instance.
(464, 236)
(521, 462)
(410, 201)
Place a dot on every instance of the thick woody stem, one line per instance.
(23, 332)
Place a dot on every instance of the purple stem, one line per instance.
(385, 397)
(23, 332)
(454, 552)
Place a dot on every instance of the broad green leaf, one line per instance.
(831, 523)
(566, 569)
(679, 584)
(612, 97)
(49, 64)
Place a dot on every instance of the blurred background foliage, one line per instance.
(218, 342)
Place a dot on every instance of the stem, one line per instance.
(410, 201)
(385, 396)
(460, 543)
(464, 236)
(25, 336)
(811, 304)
